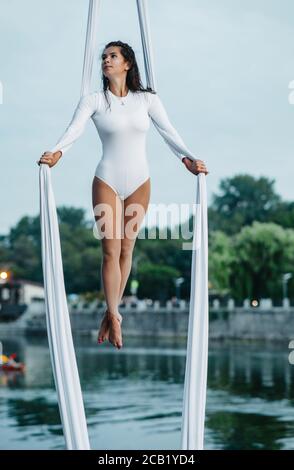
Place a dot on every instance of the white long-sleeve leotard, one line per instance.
(122, 130)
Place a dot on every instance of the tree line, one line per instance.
(251, 246)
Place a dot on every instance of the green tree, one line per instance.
(24, 241)
(72, 216)
(243, 200)
(283, 214)
(168, 252)
(263, 252)
(220, 258)
(156, 281)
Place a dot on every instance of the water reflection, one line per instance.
(133, 397)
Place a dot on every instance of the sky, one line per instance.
(222, 69)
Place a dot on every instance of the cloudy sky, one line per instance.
(222, 66)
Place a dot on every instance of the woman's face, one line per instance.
(113, 62)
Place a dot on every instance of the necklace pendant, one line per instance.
(122, 103)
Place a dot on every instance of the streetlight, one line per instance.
(285, 279)
(136, 260)
(178, 282)
(134, 281)
(134, 287)
(4, 276)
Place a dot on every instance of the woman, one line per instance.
(121, 115)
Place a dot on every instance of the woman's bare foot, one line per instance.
(103, 333)
(115, 334)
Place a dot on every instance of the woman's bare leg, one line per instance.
(117, 252)
(107, 208)
(135, 208)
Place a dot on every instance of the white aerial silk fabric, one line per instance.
(194, 397)
(90, 45)
(144, 24)
(193, 415)
(58, 323)
(61, 346)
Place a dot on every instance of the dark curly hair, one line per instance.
(133, 78)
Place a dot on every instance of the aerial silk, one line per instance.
(60, 340)
(58, 323)
(194, 399)
(63, 360)
(193, 416)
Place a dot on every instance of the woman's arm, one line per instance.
(162, 123)
(86, 107)
(84, 110)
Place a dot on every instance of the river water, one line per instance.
(133, 396)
